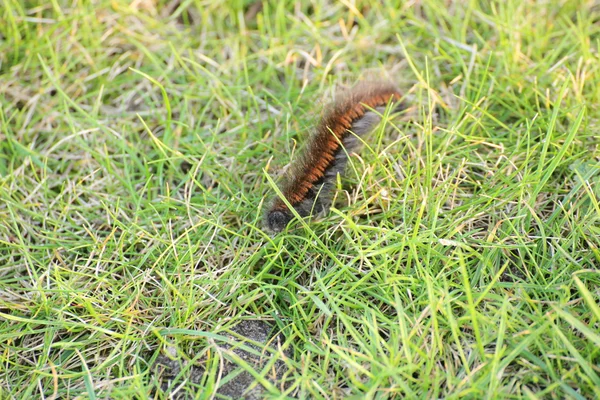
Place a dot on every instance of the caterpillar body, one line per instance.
(311, 180)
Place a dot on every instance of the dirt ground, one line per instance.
(239, 386)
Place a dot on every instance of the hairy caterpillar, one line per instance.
(311, 179)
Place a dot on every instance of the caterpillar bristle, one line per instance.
(311, 179)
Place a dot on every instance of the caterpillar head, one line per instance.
(278, 218)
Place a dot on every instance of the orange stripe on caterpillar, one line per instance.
(309, 184)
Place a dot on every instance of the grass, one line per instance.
(137, 139)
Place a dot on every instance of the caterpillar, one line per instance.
(311, 180)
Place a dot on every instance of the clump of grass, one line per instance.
(461, 257)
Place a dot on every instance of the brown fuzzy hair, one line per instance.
(312, 176)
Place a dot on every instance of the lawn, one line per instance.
(141, 142)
